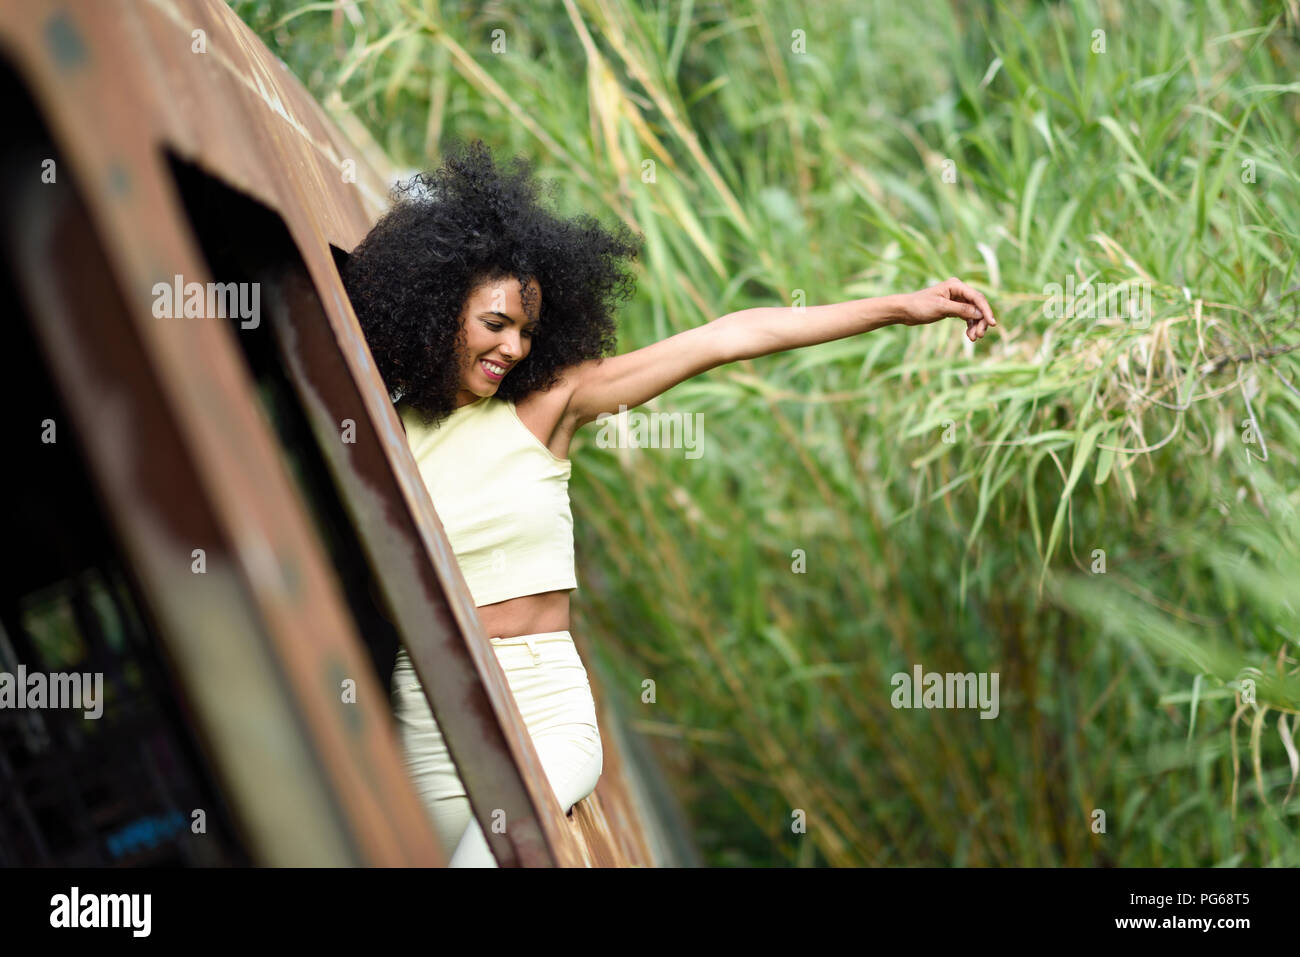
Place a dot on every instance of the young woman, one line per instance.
(490, 321)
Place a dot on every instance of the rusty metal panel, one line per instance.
(119, 81)
(145, 473)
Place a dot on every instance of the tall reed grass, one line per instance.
(1100, 508)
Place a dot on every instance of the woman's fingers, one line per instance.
(958, 300)
(967, 311)
(975, 329)
(970, 294)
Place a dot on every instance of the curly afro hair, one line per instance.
(470, 222)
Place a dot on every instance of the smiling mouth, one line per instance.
(493, 370)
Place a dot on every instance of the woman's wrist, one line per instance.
(881, 311)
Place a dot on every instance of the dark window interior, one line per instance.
(340, 258)
(244, 241)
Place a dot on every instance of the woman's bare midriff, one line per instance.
(526, 615)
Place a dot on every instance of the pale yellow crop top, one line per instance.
(502, 496)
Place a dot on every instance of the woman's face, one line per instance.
(498, 335)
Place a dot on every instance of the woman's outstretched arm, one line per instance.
(634, 378)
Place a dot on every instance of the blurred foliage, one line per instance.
(1101, 510)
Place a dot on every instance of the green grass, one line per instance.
(821, 174)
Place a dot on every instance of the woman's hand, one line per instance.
(950, 298)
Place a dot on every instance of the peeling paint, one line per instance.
(65, 43)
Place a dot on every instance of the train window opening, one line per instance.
(341, 257)
(248, 244)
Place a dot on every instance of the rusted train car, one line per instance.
(219, 515)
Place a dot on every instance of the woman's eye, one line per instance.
(498, 326)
